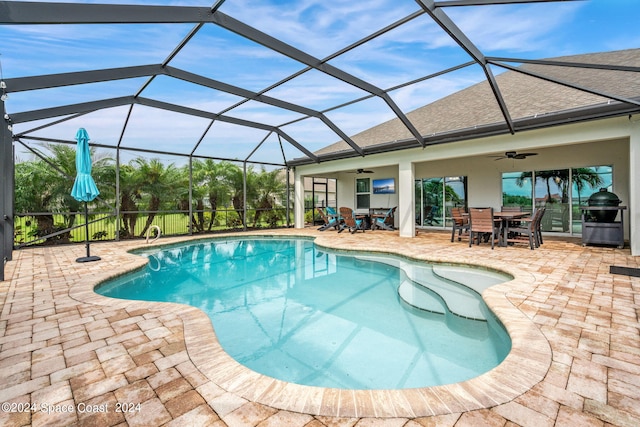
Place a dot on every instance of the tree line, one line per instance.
(146, 187)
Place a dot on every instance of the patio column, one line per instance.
(6, 191)
(298, 199)
(634, 185)
(406, 199)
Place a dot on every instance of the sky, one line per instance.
(319, 27)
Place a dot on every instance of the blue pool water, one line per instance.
(293, 311)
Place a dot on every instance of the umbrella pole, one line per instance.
(88, 258)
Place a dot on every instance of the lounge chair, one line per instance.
(460, 222)
(330, 219)
(483, 225)
(349, 222)
(385, 221)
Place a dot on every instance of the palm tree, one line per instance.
(129, 197)
(213, 178)
(198, 193)
(29, 176)
(585, 176)
(54, 179)
(236, 183)
(269, 185)
(159, 183)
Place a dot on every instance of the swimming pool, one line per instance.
(302, 314)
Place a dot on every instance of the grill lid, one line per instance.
(604, 198)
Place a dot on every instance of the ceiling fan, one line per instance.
(515, 155)
(360, 171)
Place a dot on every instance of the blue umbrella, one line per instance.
(84, 187)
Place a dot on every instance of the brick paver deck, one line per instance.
(71, 357)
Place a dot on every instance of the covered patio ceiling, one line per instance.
(274, 82)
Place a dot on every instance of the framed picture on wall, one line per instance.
(384, 186)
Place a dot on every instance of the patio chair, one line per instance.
(482, 225)
(460, 222)
(385, 221)
(527, 230)
(349, 221)
(329, 218)
(542, 210)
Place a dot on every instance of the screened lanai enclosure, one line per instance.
(199, 112)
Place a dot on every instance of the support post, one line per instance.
(118, 206)
(298, 200)
(244, 196)
(190, 195)
(7, 183)
(634, 185)
(288, 184)
(406, 199)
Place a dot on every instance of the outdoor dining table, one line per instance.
(505, 217)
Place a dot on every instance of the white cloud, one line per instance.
(416, 49)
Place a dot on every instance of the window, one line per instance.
(585, 182)
(561, 191)
(552, 191)
(363, 193)
(517, 190)
(436, 196)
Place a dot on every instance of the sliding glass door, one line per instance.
(561, 191)
(436, 196)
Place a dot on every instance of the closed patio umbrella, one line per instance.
(84, 188)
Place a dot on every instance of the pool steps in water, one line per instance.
(442, 288)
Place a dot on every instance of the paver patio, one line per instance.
(71, 357)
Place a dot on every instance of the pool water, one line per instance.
(302, 314)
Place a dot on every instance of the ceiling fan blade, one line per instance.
(514, 155)
(521, 156)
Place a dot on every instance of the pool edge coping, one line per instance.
(526, 364)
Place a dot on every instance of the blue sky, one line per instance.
(319, 27)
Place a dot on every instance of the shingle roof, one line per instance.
(525, 97)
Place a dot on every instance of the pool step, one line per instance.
(444, 288)
(420, 297)
(478, 280)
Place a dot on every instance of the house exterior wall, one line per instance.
(614, 141)
(347, 188)
(634, 186)
(485, 173)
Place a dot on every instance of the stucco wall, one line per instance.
(484, 173)
(598, 142)
(347, 187)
